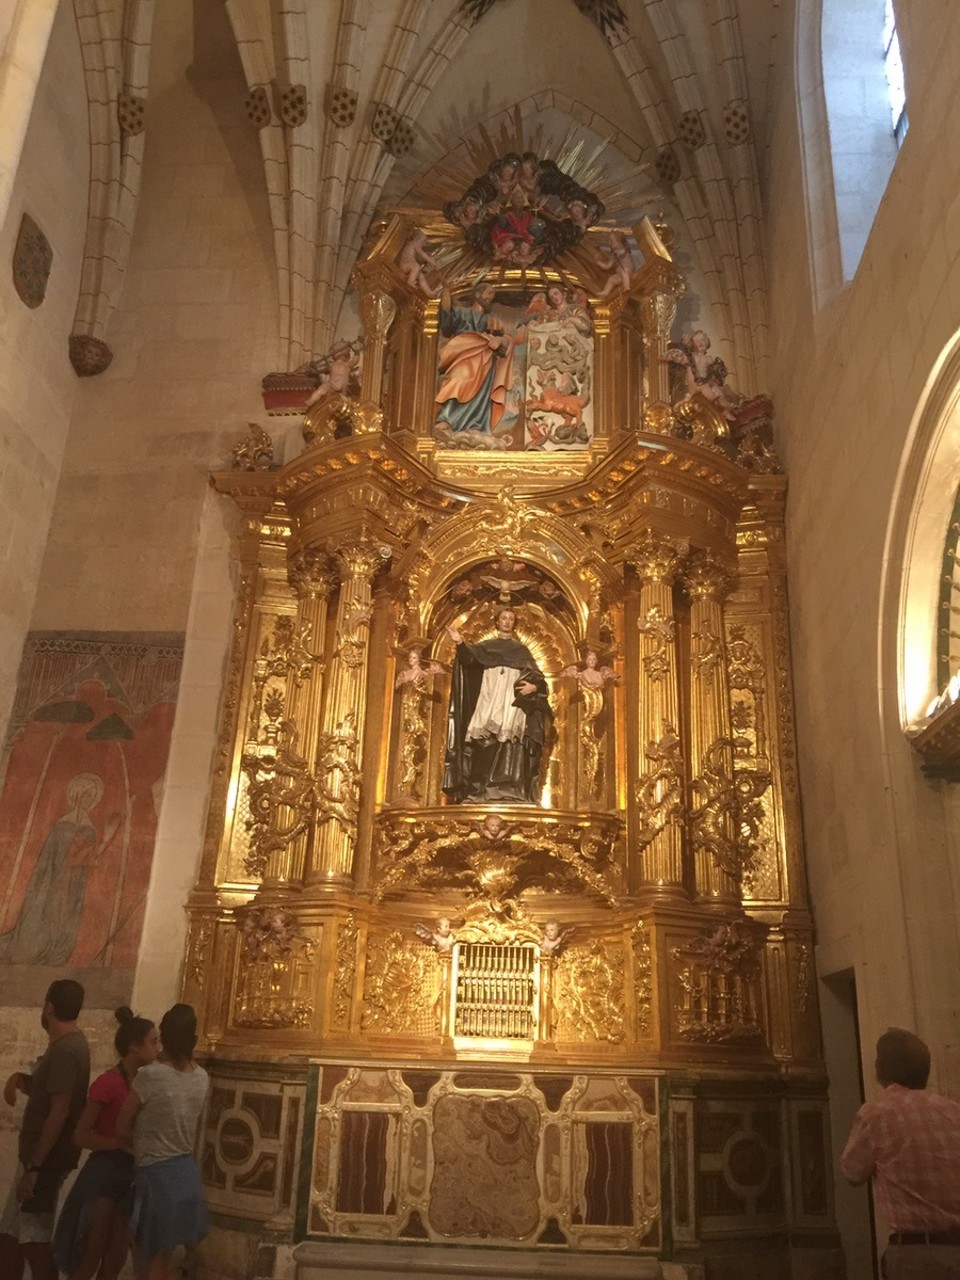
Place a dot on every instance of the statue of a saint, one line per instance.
(499, 719)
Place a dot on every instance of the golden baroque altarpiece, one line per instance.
(611, 988)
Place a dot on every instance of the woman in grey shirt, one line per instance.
(160, 1116)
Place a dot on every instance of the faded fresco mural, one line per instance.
(82, 778)
(515, 369)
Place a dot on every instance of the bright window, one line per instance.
(893, 68)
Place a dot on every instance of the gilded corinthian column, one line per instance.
(313, 576)
(659, 789)
(713, 808)
(340, 743)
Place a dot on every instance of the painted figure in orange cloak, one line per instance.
(476, 363)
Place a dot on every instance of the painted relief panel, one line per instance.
(515, 370)
(82, 781)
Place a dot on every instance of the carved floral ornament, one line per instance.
(494, 859)
(657, 558)
(724, 812)
(311, 573)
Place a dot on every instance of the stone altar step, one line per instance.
(349, 1260)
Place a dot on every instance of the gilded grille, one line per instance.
(496, 991)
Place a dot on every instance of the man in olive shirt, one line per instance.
(56, 1092)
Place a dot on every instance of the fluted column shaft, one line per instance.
(312, 577)
(713, 804)
(657, 560)
(339, 748)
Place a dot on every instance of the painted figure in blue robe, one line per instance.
(45, 931)
(476, 364)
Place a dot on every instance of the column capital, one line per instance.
(311, 573)
(377, 311)
(707, 577)
(656, 557)
(360, 557)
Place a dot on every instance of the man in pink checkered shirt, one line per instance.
(908, 1143)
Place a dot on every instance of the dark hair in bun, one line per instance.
(131, 1030)
(178, 1031)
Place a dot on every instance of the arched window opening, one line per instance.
(923, 582)
(893, 68)
(861, 67)
(948, 619)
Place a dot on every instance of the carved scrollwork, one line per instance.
(504, 527)
(708, 655)
(588, 994)
(658, 632)
(726, 814)
(746, 673)
(591, 742)
(201, 935)
(494, 860)
(401, 987)
(713, 812)
(284, 653)
(659, 792)
(281, 789)
(642, 977)
(338, 776)
(720, 984)
(254, 451)
(347, 936)
(338, 416)
(413, 731)
(275, 976)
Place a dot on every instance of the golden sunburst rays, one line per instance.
(463, 157)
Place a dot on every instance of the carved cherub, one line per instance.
(589, 673)
(616, 258)
(704, 374)
(414, 259)
(554, 938)
(494, 828)
(338, 371)
(439, 935)
(417, 670)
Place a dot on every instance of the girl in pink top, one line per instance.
(91, 1235)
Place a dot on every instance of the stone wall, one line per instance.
(37, 383)
(138, 542)
(848, 382)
